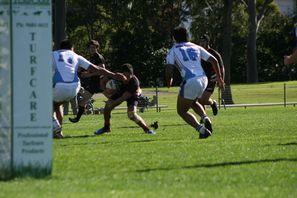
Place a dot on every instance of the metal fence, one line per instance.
(262, 94)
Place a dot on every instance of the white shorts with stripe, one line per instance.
(193, 87)
(63, 92)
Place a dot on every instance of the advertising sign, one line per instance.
(5, 92)
(28, 98)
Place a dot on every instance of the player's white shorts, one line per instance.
(63, 92)
(193, 87)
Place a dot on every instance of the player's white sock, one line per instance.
(206, 118)
(56, 126)
(200, 129)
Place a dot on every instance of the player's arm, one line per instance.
(113, 103)
(99, 69)
(87, 74)
(216, 68)
(169, 68)
(221, 66)
(222, 70)
(102, 71)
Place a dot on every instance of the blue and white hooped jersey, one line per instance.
(187, 58)
(65, 66)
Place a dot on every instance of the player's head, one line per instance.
(95, 43)
(93, 46)
(127, 68)
(204, 40)
(66, 44)
(180, 34)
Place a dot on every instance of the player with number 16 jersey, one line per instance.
(186, 57)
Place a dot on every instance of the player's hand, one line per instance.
(221, 84)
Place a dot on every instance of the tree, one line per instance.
(139, 32)
(215, 19)
(59, 22)
(142, 36)
(227, 48)
(254, 23)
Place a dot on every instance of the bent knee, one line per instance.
(181, 112)
(131, 115)
(134, 117)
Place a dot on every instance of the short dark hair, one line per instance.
(205, 37)
(180, 34)
(95, 43)
(127, 68)
(66, 44)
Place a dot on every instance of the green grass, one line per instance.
(252, 153)
(241, 94)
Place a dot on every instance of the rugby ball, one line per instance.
(113, 85)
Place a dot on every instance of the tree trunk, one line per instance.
(252, 69)
(226, 55)
(59, 22)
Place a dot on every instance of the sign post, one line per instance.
(27, 123)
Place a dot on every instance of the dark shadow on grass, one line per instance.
(142, 141)
(85, 144)
(128, 127)
(171, 125)
(223, 164)
(288, 144)
(78, 136)
(160, 125)
(101, 142)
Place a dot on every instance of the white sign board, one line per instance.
(31, 82)
(5, 93)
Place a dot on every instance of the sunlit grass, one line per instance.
(252, 153)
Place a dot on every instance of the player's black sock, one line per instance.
(81, 111)
(107, 127)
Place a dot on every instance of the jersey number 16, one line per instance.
(189, 54)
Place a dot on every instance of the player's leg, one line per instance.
(107, 117)
(84, 97)
(63, 92)
(189, 91)
(206, 99)
(182, 107)
(132, 115)
(199, 109)
(57, 120)
(58, 100)
(74, 105)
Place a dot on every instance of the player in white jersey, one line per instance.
(66, 83)
(186, 56)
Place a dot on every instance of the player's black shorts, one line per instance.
(132, 101)
(210, 86)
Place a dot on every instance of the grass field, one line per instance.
(252, 153)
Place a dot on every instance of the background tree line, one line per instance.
(251, 35)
